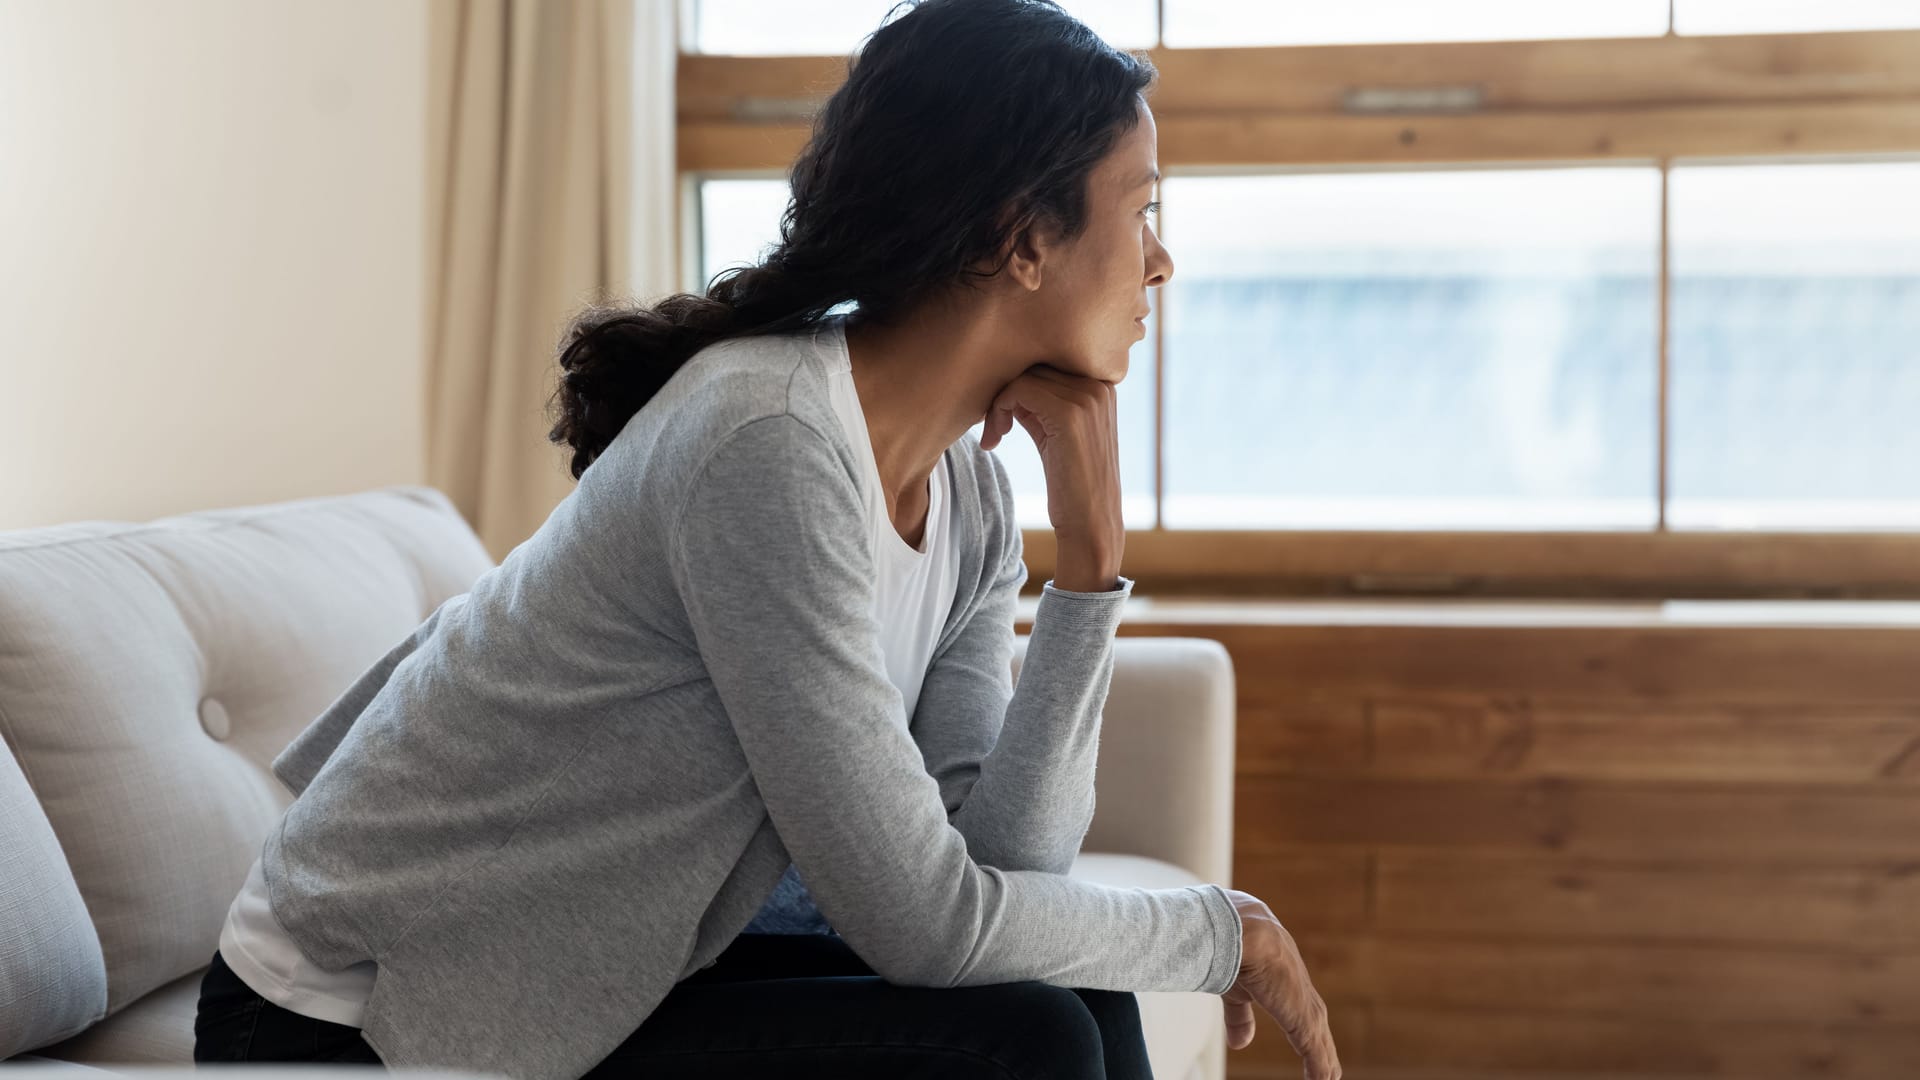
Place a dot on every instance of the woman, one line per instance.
(722, 772)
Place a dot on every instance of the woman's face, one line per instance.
(1093, 288)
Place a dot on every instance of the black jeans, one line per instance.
(775, 1005)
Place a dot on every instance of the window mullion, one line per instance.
(1664, 419)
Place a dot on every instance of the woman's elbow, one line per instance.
(910, 962)
(930, 950)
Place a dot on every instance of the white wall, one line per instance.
(212, 253)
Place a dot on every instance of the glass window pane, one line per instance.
(836, 27)
(739, 224)
(1446, 349)
(1796, 346)
(1792, 16)
(740, 220)
(1201, 23)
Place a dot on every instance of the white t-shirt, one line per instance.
(914, 589)
(913, 595)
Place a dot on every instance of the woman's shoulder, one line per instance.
(750, 377)
(725, 387)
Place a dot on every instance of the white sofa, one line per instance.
(149, 673)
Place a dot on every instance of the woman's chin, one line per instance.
(1107, 363)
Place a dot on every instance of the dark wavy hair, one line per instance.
(960, 123)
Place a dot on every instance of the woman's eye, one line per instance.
(1152, 208)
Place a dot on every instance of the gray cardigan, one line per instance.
(573, 785)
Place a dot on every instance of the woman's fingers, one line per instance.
(1240, 1022)
(1309, 1035)
(1032, 422)
(1048, 402)
(1016, 395)
(1273, 976)
(998, 423)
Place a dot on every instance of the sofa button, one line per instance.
(213, 717)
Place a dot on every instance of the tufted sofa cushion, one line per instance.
(148, 675)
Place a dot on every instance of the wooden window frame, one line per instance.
(1759, 97)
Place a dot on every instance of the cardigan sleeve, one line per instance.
(1015, 765)
(301, 760)
(770, 557)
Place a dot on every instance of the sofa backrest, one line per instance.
(149, 672)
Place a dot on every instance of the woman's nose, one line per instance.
(1159, 269)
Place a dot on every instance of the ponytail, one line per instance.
(615, 357)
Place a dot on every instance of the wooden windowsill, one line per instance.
(1176, 611)
(1649, 567)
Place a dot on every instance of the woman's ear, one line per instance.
(1022, 252)
(1026, 253)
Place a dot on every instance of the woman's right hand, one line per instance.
(1273, 976)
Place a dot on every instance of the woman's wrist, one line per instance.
(1257, 923)
(1089, 583)
(1085, 569)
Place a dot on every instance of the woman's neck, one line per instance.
(922, 382)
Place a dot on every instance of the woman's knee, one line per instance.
(1123, 1037)
(1111, 1007)
(1059, 1037)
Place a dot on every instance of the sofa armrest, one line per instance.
(1163, 786)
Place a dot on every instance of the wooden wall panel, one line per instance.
(1474, 1044)
(1674, 1045)
(1812, 667)
(1325, 888)
(1550, 815)
(1584, 900)
(1613, 740)
(1454, 737)
(1534, 899)
(1652, 980)
(1511, 847)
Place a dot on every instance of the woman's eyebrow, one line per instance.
(1152, 175)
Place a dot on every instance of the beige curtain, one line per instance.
(530, 204)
